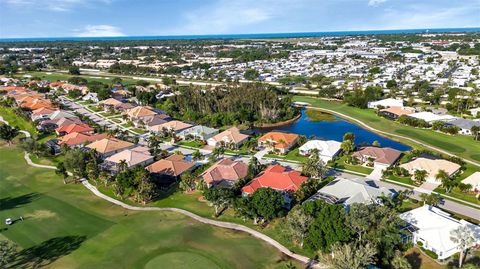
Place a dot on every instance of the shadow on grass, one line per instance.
(14, 202)
(47, 252)
(414, 259)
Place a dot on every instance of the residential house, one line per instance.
(170, 168)
(396, 112)
(464, 125)
(156, 119)
(278, 141)
(199, 132)
(349, 191)
(231, 137)
(78, 139)
(41, 114)
(74, 128)
(380, 157)
(225, 173)
(174, 126)
(91, 96)
(431, 117)
(53, 124)
(137, 156)
(432, 227)
(432, 167)
(474, 181)
(109, 146)
(137, 114)
(61, 114)
(278, 178)
(389, 102)
(327, 149)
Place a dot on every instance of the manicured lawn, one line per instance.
(463, 146)
(139, 130)
(9, 115)
(95, 108)
(292, 155)
(66, 226)
(191, 143)
(405, 180)
(340, 163)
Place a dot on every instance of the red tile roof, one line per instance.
(225, 170)
(78, 128)
(282, 140)
(276, 177)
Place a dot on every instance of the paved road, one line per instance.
(452, 206)
(390, 134)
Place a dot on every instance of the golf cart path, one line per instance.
(222, 224)
(363, 124)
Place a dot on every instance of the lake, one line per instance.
(332, 127)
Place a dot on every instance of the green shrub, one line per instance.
(420, 244)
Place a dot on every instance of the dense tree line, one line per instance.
(247, 104)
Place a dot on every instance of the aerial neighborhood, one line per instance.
(319, 142)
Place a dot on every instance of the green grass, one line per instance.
(292, 155)
(463, 146)
(66, 226)
(191, 143)
(340, 163)
(9, 115)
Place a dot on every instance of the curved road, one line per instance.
(390, 134)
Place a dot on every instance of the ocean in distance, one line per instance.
(248, 36)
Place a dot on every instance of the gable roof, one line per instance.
(287, 139)
(381, 155)
(109, 144)
(276, 177)
(348, 191)
(231, 135)
(225, 170)
(399, 111)
(173, 165)
(199, 130)
(42, 111)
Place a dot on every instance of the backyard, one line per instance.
(65, 226)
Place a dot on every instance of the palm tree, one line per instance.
(420, 176)
(475, 131)
(430, 199)
(8, 133)
(400, 262)
(464, 237)
(122, 165)
(347, 146)
(197, 155)
(62, 171)
(447, 183)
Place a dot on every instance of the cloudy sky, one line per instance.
(67, 18)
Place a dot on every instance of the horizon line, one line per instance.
(251, 35)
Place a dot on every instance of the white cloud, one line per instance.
(53, 5)
(225, 16)
(99, 31)
(374, 3)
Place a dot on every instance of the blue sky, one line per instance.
(66, 18)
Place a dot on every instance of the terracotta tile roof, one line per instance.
(381, 155)
(399, 111)
(432, 166)
(231, 135)
(287, 139)
(110, 102)
(225, 170)
(173, 165)
(109, 144)
(73, 139)
(140, 111)
(13, 88)
(77, 128)
(42, 111)
(276, 177)
(56, 84)
(175, 125)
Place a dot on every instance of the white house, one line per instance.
(327, 149)
(474, 181)
(91, 96)
(389, 102)
(431, 117)
(432, 227)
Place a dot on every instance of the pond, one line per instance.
(331, 127)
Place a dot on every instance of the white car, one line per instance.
(8, 221)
